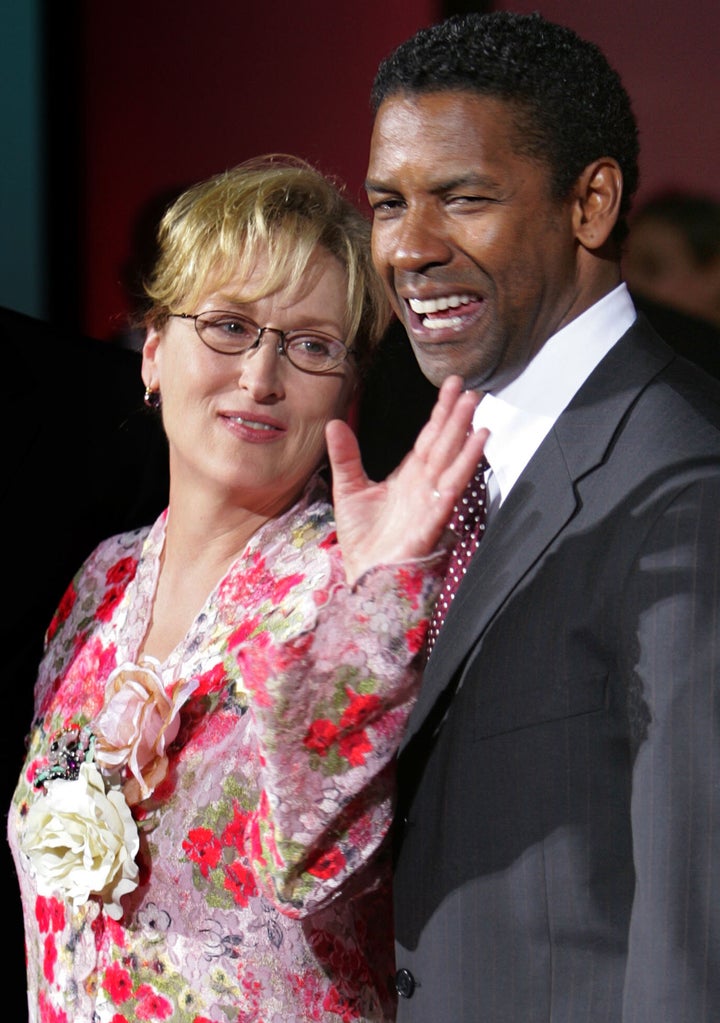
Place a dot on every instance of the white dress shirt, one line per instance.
(520, 415)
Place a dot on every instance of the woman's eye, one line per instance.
(233, 328)
(313, 346)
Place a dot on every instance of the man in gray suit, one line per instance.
(558, 837)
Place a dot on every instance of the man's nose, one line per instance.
(420, 241)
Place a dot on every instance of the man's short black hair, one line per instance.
(570, 105)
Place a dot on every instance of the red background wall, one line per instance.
(172, 92)
(667, 55)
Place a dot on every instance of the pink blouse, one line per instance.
(256, 879)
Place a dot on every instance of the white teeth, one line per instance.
(444, 323)
(438, 305)
(251, 423)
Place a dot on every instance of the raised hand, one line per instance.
(405, 515)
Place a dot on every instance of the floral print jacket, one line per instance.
(219, 851)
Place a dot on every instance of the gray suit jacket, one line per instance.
(558, 833)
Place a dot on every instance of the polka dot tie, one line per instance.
(468, 522)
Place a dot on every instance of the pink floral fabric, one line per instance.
(268, 758)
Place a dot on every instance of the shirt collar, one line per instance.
(520, 415)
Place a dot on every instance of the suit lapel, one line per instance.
(540, 505)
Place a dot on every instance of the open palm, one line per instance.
(405, 515)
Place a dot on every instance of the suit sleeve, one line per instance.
(671, 648)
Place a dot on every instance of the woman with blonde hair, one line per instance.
(200, 827)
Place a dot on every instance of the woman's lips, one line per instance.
(253, 428)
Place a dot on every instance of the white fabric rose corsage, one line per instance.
(80, 835)
(82, 841)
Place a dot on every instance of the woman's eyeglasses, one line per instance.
(229, 334)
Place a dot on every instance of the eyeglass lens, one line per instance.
(307, 350)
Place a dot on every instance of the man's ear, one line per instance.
(597, 204)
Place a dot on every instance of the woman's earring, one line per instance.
(152, 398)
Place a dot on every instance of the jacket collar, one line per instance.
(541, 503)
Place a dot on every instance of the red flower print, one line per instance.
(119, 1018)
(334, 1002)
(240, 882)
(151, 1005)
(47, 1013)
(353, 742)
(415, 637)
(320, 736)
(94, 660)
(233, 834)
(354, 747)
(283, 586)
(65, 607)
(112, 598)
(327, 864)
(243, 632)
(329, 541)
(241, 587)
(255, 844)
(56, 911)
(360, 710)
(122, 571)
(307, 989)
(116, 932)
(411, 580)
(210, 681)
(203, 848)
(49, 958)
(42, 913)
(49, 913)
(118, 983)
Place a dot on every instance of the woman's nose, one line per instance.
(261, 370)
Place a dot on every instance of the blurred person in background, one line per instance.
(672, 253)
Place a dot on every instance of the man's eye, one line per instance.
(469, 200)
(388, 205)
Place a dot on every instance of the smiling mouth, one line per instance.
(252, 424)
(443, 312)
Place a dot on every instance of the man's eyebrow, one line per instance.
(376, 186)
(470, 179)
